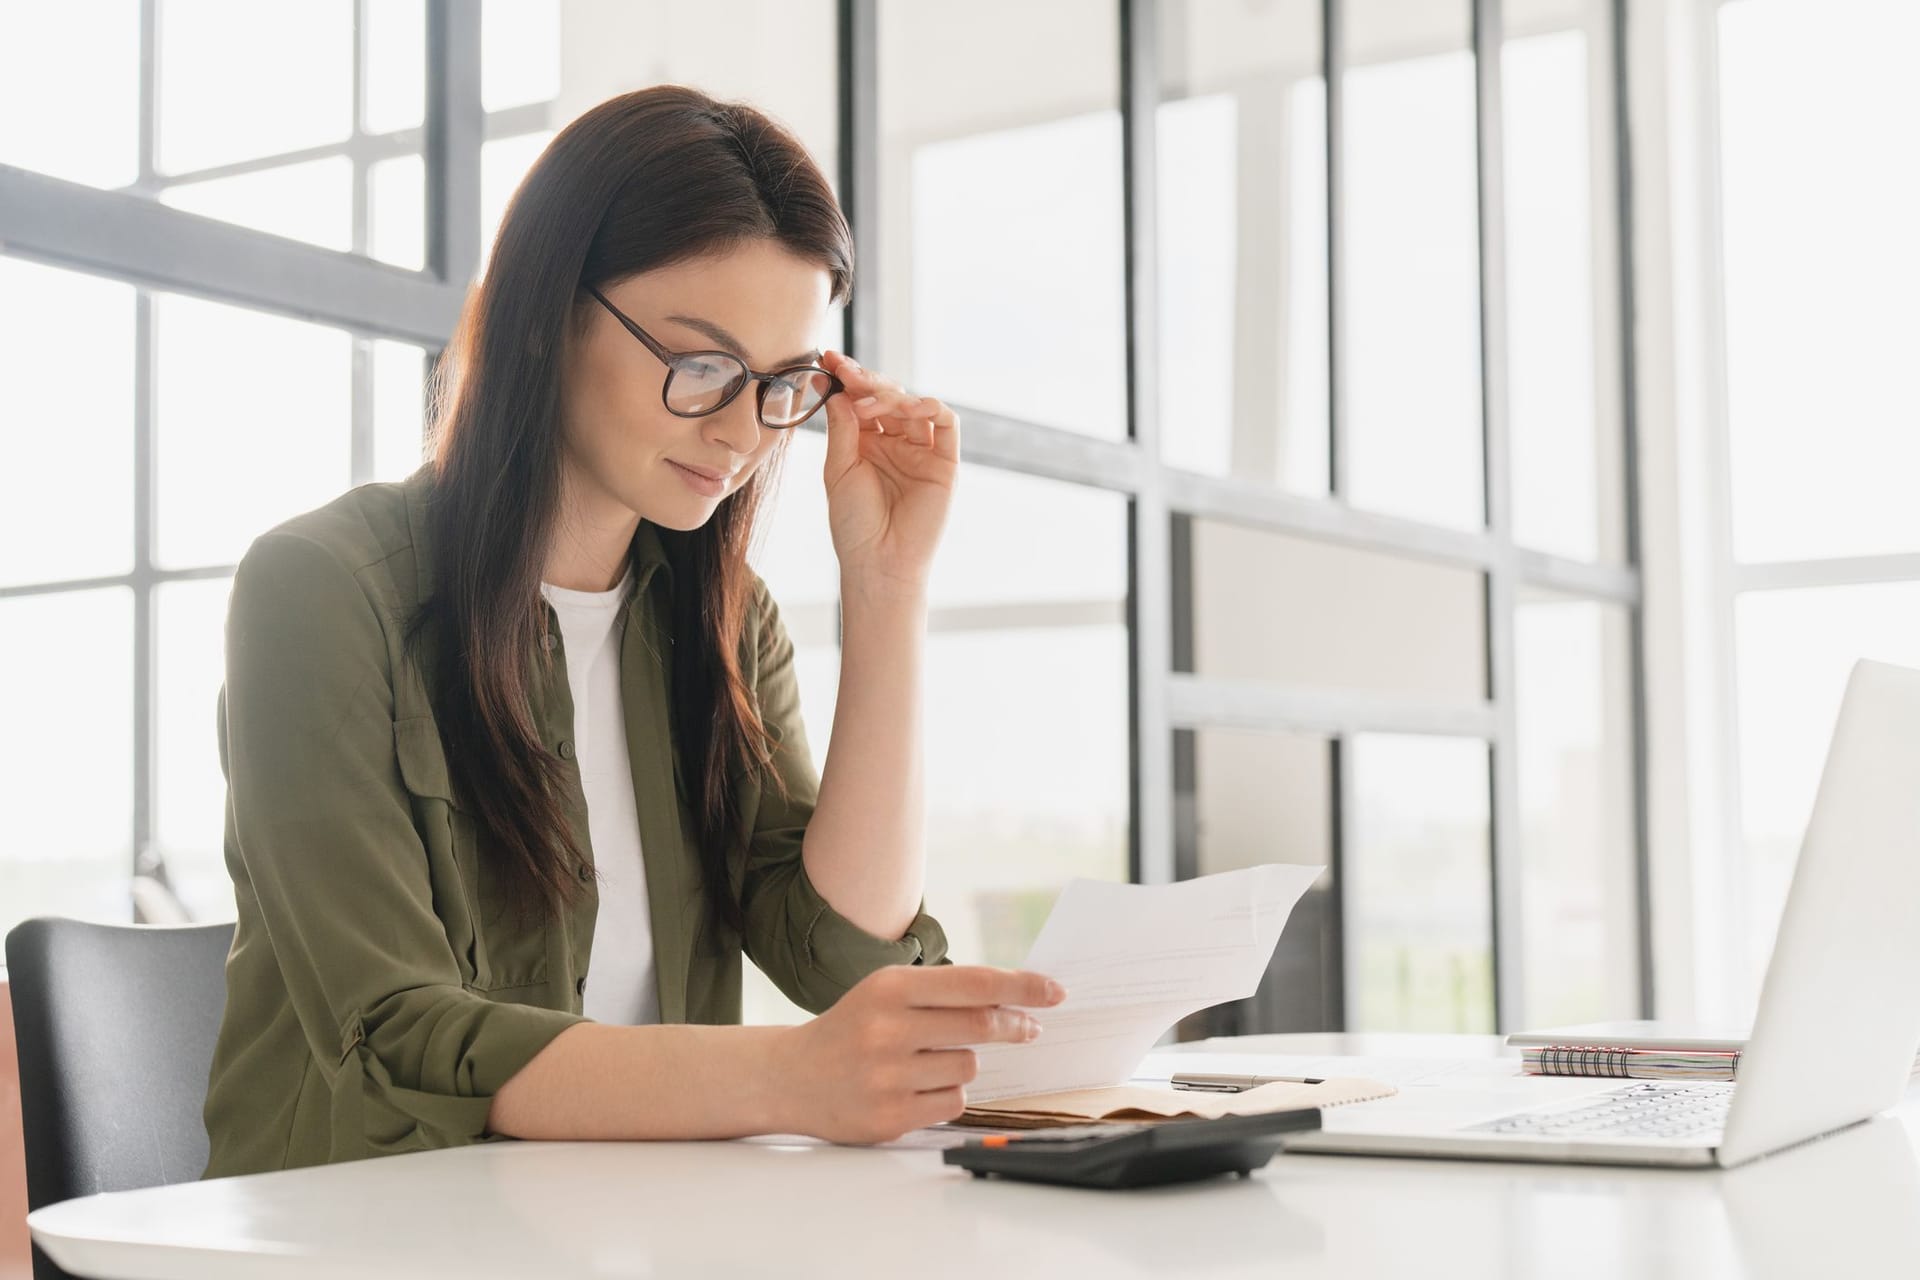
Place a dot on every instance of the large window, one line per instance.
(1819, 195)
(327, 149)
(1293, 525)
(139, 463)
(1402, 612)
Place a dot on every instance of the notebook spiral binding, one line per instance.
(1616, 1062)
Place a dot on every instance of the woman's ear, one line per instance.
(577, 329)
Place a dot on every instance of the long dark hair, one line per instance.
(643, 180)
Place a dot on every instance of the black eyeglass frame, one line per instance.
(668, 357)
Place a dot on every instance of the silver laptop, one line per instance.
(1838, 1024)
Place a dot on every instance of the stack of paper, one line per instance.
(1135, 959)
(1141, 1102)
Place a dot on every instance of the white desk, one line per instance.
(1848, 1205)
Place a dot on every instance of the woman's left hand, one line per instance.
(892, 459)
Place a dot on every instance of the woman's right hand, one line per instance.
(887, 1057)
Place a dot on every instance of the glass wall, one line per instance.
(1293, 521)
(1402, 613)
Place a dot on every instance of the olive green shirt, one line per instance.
(377, 996)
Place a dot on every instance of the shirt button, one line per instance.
(566, 748)
(584, 871)
(548, 640)
(580, 985)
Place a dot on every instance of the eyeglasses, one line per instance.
(703, 382)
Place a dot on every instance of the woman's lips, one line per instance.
(705, 486)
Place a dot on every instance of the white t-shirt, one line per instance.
(620, 981)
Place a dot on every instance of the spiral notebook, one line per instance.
(1640, 1050)
(1627, 1063)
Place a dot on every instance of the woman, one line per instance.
(513, 748)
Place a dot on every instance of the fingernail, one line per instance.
(850, 362)
(1055, 991)
(866, 402)
(1030, 1029)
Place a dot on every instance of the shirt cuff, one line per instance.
(448, 1103)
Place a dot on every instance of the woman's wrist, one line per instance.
(878, 591)
(779, 1061)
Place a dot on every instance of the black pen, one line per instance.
(1202, 1082)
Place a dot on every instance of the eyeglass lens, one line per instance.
(700, 384)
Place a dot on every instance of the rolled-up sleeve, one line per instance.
(809, 950)
(322, 824)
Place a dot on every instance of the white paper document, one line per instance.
(1135, 959)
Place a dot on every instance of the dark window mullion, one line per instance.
(1333, 73)
(143, 478)
(1630, 492)
(1502, 581)
(1341, 949)
(456, 125)
(146, 857)
(360, 414)
(1154, 576)
(857, 69)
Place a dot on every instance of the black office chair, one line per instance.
(115, 1025)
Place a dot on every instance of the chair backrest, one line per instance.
(115, 1025)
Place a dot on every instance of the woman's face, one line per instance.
(758, 301)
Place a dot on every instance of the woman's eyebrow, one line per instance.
(734, 344)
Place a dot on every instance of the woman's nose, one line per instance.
(737, 426)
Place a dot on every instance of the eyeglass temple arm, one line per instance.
(659, 351)
(665, 355)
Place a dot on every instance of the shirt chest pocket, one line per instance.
(494, 950)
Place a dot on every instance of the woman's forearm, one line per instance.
(863, 847)
(598, 1080)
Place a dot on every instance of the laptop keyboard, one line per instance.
(1662, 1111)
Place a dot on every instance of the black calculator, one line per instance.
(1128, 1154)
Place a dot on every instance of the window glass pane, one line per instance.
(1419, 889)
(239, 80)
(1575, 761)
(70, 90)
(190, 794)
(1009, 536)
(1002, 210)
(396, 70)
(1242, 225)
(311, 202)
(234, 453)
(397, 224)
(1243, 799)
(399, 391)
(1820, 197)
(66, 424)
(1294, 611)
(1795, 651)
(1027, 697)
(779, 55)
(1409, 251)
(1564, 418)
(66, 787)
(793, 551)
(519, 52)
(503, 163)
